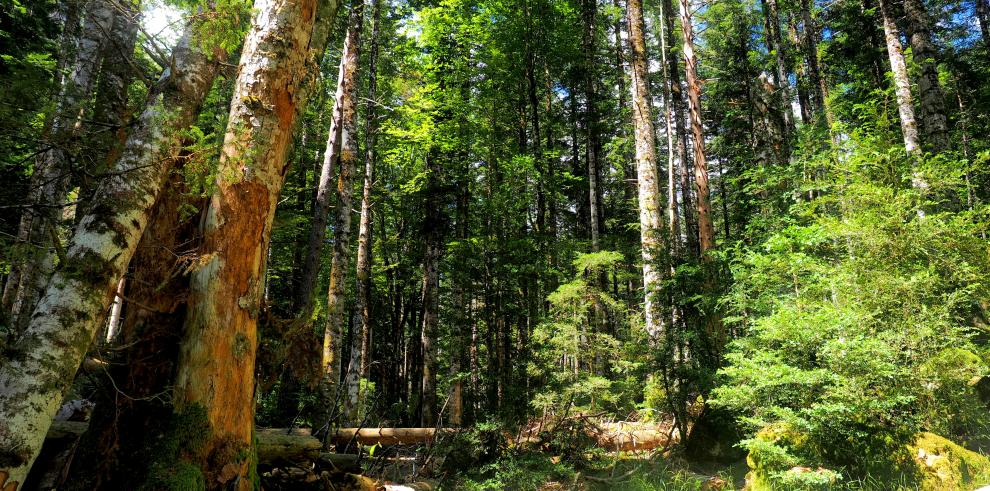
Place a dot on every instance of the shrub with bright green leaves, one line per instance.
(862, 319)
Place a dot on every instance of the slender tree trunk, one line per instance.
(775, 42)
(810, 43)
(53, 166)
(680, 114)
(110, 109)
(77, 298)
(589, 12)
(931, 100)
(217, 356)
(706, 231)
(902, 85)
(650, 218)
(347, 157)
(434, 237)
(672, 163)
(361, 325)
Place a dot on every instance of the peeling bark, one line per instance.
(217, 355)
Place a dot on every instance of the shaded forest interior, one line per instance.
(494, 244)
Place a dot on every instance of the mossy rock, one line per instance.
(943, 465)
(774, 463)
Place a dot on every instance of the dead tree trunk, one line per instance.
(217, 356)
(706, 231)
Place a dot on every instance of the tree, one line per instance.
(646, 166)
(706, 231)
(215, 375)
(72, 308)
(361, 324)
(931, 100)
(50, 181)
(902, 85)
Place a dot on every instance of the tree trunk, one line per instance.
(347, 157)
(217, 356)
(110, 109)
(79, 294)
(775, 43)
(589, 12)
(931, 99)
(433, 235)
(706, 231)
(646, 166)
(361, 325)
(902, 85)
(53, 166)
(679, 114)
(810, 42)
(672, 163)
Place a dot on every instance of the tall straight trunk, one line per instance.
(902, 85)
(75, 301)
(589, 12)
(804, 100)
(347, 164)
(650, 218)
(810, 43)
(931, 100)
(680, 114)
(53, 165)
(706, 231)
(672, 163)
(775, 42)
(215, 375)
(983, 15)
(361, 325)
(433, 235)
(321, 203)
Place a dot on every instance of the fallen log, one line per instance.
(273, 444)
(387, 436)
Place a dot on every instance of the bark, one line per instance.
(931, 100)
(361, 325)
(433, 235)
(902, 85)
(775, 43)
(217, 355)
(41, 368)
(680, 113)
(110, 109)
(810, 43)
(321, 208)
(347, 163)
(706, 231)
(589, 12)
(113, 324)
(53, 166)
(650, 221)
(672, 162)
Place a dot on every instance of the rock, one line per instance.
(943, 465)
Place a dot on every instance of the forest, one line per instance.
(494, 245)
